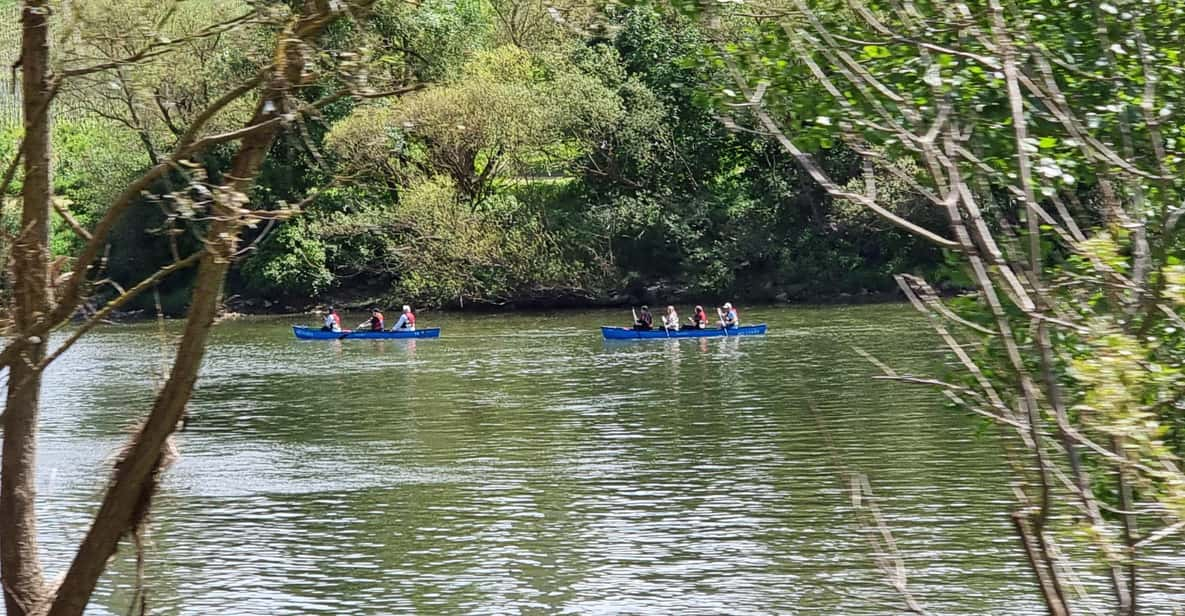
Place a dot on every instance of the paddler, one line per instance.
(644, 319)
(374, 323)
(333, 321)
(730, 318)
(670, 320)
(406, 322)
(699, 320)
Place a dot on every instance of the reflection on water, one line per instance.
(542, 470)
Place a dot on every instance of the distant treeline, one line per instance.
(546, 161)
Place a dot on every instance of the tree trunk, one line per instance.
(20, 568)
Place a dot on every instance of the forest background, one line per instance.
(556, 156)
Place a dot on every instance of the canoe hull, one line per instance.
(314, 333)
(625, 333)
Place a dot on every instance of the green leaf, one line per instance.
(876, 51)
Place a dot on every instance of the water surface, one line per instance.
(520, 464)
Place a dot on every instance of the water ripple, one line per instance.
(520, 464)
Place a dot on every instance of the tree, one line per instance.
(1048, 137)
(152, 99)
(505, 108)
(527, 23)
(222, 203)
(20, 568)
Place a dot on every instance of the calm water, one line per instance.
(520, 464)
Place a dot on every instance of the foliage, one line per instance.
(428, 40)
(91, 160)
(155, 98)
(429, 248)
(503, 107)
(1047, 138)
(593, 136)
(292, 261)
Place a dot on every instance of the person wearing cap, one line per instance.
(406, 322)
(375, 322)
(699, 320)
(730, 318)
(645, 320)
(333, 322)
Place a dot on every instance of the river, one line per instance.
(520, 464)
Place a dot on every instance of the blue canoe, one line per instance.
(316, 333)
(625, 333)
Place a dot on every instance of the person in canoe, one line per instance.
(643, 320)
(670, 320)
(374, 323)
(406, 322)
(730, 318)
(333, 321)
(699, 320)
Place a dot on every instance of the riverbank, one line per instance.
(654, 296)
(236, 306)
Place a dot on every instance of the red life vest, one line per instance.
(376, 322)
(411, 319)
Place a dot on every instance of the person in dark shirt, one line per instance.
(645, 320)
(374, 323)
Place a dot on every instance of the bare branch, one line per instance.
(159, 47)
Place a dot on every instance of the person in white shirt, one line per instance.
(406, 322)
(731, 318)
(333, 322)
(670, 320)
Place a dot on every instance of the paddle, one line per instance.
(723, 325)
(635, 313)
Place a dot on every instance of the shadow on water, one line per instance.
(521, 464)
